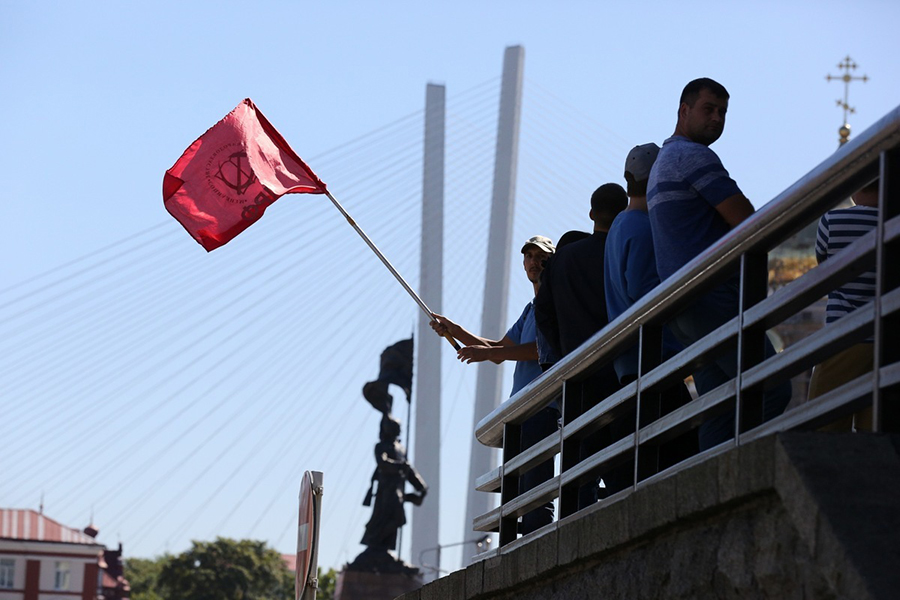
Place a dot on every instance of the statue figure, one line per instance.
(392, 472)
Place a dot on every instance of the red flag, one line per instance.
(224, 181)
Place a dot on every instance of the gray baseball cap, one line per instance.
(640, 160)
(544, 243)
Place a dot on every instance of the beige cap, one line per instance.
(544, 243)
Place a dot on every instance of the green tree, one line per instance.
(142, 574)
(327, 581)
(226, 569)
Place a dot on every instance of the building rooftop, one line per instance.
(28, 524)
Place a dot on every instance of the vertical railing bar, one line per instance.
(648, 405)
(887, 193)
(501, 526)
(562, 437)
(879, 290)
(502, 475)
(637, 404)
(512, 447)
(739, 376)
(890, 167)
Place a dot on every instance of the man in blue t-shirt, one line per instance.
(519, 344)
(629, 272)
(629, 269)
(693, 202)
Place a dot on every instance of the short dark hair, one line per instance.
(571, 237)
(607, 201)
(635, 188)
(872, 186)
(692, 90)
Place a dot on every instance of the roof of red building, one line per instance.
(108, 581)
(290, 561)
(27, 524)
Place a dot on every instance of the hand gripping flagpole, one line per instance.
(389, 266)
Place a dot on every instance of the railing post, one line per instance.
(509, 484)
(751, 341)
(570, 449)
(648, 403)
(886, 400)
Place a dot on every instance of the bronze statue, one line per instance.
(392, 472)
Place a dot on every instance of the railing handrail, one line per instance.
(840, 174)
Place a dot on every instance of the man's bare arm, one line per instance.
(442, 325)
(506, 350)
(735, 209)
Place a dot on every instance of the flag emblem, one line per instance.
(234, 172)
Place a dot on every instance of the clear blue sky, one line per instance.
(101, 97)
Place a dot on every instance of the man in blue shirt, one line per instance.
(693, 203)
(629, 269)
(692, 200)
(519, 344)
(629, 273)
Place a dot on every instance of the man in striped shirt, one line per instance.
(838, 229)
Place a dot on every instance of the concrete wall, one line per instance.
(798, 515)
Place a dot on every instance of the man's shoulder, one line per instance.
(631, 218)
(842, 222)
(688, 171)
(628, 224)
(579, 247)
(681, 149)
(527, 312)
(677, 158)
(575, 257)
(851, 212)
(522, 323)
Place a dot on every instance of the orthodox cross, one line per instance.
(847, 65)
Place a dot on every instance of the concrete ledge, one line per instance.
(453, 587)
(797, 515)
(474, 580)
(851, 514)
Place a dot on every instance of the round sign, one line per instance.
(305, 534)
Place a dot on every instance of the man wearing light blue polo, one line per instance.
(693, 203)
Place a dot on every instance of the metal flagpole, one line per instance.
(387, 264)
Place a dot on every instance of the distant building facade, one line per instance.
(788, 262)
(41, 559)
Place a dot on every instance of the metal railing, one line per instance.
(875, 152)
